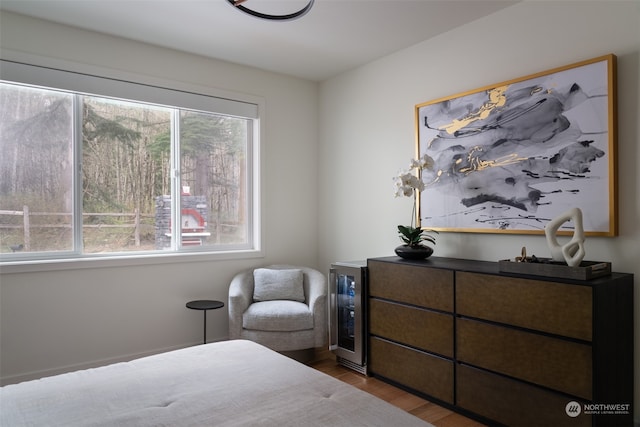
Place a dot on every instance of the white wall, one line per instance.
(58, 320)
(367, 127)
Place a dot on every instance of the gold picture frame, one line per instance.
(511, 156)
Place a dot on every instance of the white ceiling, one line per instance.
(335, 36)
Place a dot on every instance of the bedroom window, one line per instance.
(89, 174)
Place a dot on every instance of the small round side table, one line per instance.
(205, 305)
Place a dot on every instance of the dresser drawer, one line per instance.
(511, 402)
(427, 330)
(558, 364)
(423, 286)
(552, 307)
(420, 371)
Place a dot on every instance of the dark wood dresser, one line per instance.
(503, 348)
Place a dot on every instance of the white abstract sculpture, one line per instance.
(573, 251)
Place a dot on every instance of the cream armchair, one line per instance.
(282, 307)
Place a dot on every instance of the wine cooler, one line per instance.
(347, 317)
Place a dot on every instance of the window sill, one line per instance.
(22, 266)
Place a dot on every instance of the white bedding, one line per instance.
(230, 383)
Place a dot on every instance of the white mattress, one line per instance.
(230, 383)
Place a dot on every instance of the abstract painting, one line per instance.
(510, 157)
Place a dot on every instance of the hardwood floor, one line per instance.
(421, 408)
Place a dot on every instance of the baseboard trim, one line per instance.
(34, 375)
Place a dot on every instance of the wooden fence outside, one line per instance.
(27, 226)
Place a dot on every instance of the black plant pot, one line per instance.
(414, 252)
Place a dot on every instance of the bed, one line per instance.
(229, 383)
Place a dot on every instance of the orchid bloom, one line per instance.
(407, 182)
(424, 162)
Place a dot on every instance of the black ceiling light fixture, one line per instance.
(285, 17)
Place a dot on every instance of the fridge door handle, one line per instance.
(333, 311)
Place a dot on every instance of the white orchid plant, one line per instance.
(408, 184)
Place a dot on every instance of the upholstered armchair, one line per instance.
(282, 307)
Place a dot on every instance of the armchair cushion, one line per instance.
(272, 284)
(278, 316)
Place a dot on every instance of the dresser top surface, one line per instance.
(490, 267)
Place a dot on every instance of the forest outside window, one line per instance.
(88, 175)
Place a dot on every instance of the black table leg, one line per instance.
(205, 327)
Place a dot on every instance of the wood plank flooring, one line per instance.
(421, 408)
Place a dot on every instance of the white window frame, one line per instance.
(158, 92)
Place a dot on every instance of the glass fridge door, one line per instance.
(346, 314)
(346, 293)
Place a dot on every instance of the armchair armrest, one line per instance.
(317, 300)
(240, 297)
